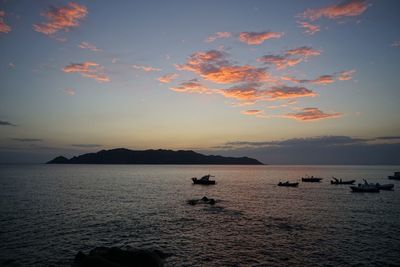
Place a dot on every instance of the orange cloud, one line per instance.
(303, 51)
(191, 86)
(61, 18)
(252, 112)
(145, 68)
(311, 114)
(89, 46)
(346, 9)
(213, 66)
(256, 38)
(167, 78)
(218, 35)
(308, 27)
(89, 70)
(290, 58)
(4, 28)
(324, 79)
(287, 92)
(246, 93)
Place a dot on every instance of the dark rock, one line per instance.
(205, 199)
(58, 160)
(211, 202)
(116, 257)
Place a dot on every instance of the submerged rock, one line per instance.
(203, 200)
(116, 257)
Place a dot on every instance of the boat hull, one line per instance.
(394, 177)
(289, 184)
(343, 182)
(361, 189)
(197, 181)
(311, 180)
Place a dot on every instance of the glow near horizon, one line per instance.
(49, 99)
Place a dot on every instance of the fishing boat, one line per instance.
(365, 188)
(311, 179)
(205, 180)
(384, 186)
(396, 176)
(289, 184)
(340, 181)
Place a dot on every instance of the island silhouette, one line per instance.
(159, 156)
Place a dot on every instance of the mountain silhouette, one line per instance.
(160, 156)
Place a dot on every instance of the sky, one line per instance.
(286, 82)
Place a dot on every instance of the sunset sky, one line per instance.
(266, 79)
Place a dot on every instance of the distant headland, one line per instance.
(160, 156)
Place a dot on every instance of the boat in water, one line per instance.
(311, 179)
(365, 188)
(340, 181)
(289, 184)
(384, 186)
(205, 180)
(396, 176)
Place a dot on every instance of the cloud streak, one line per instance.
(4, 28)
(311, 114)
(350, 8)
(89, 46)
(6, 123)
(145, 68)
(27, 140)
(309, 28)
(191, 86)
(324, 79)
(218, 35)
(88, 69)
(257, 38)
(61, 18)
(167, 78)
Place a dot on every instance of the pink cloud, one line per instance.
(61, 18)
(350, 8)
(213, 66)
(290, 58)
(246, 93)
(191, 86)
(167, 78)
(324, 79)
(256, 38)
(308, 27)
(4, 28)
(311, 114)
(346, 75)
(287, 92)
(89, 46)
(218, 35)
(89, 70)
(69, 91)
(145, 68)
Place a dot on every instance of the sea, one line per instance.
(50, 212)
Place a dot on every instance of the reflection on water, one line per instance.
(48, 213)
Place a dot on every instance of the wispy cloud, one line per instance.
(349, 8)
(86, 145)
(214, 66)
(191, 86)
(4, 28)
(167, 78)
(324, 79)
(88, 69)
(395, 44)
(61, 18)
(69, 91)
(245, 93)
(89, 46)
(290, 57)
(27, 139)
(287, 92)
(311, 114)
(145, 68)
(256, 38)
(6, 123)
(309, 28)
(218, 35)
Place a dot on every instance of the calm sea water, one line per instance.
(50, 212)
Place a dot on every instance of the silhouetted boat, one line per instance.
(288, 184)
(396, 176)
(311, 179)
(203, 180)
(339, 181)
(365, 188)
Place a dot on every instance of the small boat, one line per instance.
(365, 188)
(311, 179)
(288, 184)
(396, 176)
(340, 181)
(203, 180)
(384, 186)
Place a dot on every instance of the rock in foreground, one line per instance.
(116, 257)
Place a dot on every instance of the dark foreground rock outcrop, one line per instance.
(203, 200)
(116, 257)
